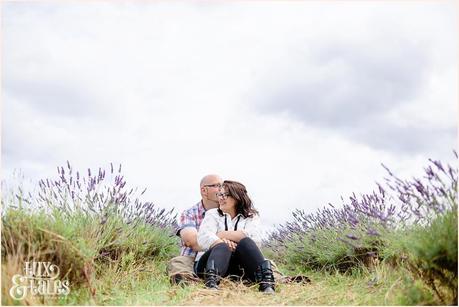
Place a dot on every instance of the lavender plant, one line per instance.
(359, 230)
(83, 222)
(100, 193)
(422, 200)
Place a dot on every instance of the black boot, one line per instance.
(212, 277)
(264, 276)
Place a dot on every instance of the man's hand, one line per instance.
(189, 237)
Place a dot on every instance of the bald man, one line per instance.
(180, 268)
(191, 219)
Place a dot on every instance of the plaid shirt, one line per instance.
(190, 218)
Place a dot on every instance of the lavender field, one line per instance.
(408, 223)
(396, 245)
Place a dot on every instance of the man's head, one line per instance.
(210, 186)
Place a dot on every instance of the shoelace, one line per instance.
(269, 277)
(211, 274)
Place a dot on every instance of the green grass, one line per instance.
(148, 285)
(144, 285)
(430, 251)
(127, 266)
(89, 252)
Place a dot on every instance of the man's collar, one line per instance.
(202, 208)
(202, 205)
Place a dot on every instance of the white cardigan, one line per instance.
(213, 223)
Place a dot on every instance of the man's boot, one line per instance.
(177, 279)
(264, 276)
(212, 277)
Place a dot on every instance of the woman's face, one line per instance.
(227, 203)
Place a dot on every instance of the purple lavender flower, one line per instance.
(97, 196)
(352, 237)
(395, 204)
(372, 232)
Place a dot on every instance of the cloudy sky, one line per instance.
(299, 100)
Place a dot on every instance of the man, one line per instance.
(191, 219)
(188, 226)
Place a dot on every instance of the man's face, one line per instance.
(211, 188)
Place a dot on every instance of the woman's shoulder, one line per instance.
(212, 212)
(253, 217)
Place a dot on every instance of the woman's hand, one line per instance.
(216, 242)
(232, 245)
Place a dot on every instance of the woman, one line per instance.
(229, 237)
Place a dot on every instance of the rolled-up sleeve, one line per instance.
(252, 229)
(207, 233)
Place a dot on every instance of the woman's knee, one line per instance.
(221, 250)
(247, 242)
(222, 247)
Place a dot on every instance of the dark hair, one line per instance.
(238, 191)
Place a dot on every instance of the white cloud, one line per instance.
(167, 88)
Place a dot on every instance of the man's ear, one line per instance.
(203, 191)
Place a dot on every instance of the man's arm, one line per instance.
(189, 237)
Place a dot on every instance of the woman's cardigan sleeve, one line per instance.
(207, 233)
(252, 229)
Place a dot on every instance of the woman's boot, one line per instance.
(212, 277)
(264, 276)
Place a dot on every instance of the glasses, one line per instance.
(223, 195)
(215, 185)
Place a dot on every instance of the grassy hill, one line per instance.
(113, 249)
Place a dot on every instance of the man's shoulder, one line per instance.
(192, 209)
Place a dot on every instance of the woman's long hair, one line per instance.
(238, 191)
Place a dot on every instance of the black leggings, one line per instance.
(242, 262)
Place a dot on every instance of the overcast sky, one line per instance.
(299, 100)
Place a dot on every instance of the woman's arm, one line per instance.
(250, 230)
(207, 236)
(233, 235)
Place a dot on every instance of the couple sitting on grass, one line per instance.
(220, 237)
